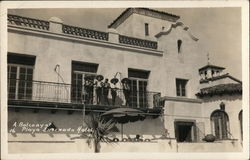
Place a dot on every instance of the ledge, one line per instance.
(91, 41)
(181, 99)
(24, 104)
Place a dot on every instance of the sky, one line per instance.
(218, 29)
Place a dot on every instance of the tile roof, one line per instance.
(220, 77)
(221, 89)
(143, 11)
(211, 66)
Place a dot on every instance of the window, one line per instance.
(185, 131)
(139, 82)
(220, 123)
(20, 76)
(146, 29)
(205, 74)
(181, 87)
(179, 43)
(212, 72)
(79, 71)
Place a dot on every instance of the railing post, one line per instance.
(55, 25)
(113, 35)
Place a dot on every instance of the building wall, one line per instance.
(62, 52)
(164, 69)
(75, 121)
(182, 65)
(182, 111)
(71, 142)
(233, 106)
(134, 26)
(23, 125)
(112, 60)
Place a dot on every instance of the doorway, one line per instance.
(185, 131)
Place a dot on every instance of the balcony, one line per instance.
(50, 95)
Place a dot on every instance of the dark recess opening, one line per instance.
(183, 131)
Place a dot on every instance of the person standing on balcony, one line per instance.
(114, 89)
(89, 87)
(126, 90)
(106, 87)
(98, 84)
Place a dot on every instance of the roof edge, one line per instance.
(174, 25)
(212, 66)
(220, 77)
(143, 11)
(220, 89)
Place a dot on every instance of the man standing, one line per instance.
(126, 90)
(106, 87)
(114, 89)
(98, 85)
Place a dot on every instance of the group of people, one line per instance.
(102, 89)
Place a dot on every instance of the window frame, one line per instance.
(194, 134)
(74, 93)
(138, 90)
(179, 88)
(146, 27)
(220, 122)
(17, 87)
(179, 45)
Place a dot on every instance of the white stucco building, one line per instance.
(181, 96)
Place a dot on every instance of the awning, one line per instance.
(125, 115)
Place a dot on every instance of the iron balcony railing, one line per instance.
(79, 94)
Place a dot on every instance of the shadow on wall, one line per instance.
(27, 122)
(148, 127)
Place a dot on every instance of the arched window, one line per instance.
(220, 124)
(179, 43)
(241, 129)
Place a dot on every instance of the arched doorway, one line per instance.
(220, 124)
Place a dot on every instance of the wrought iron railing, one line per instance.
(137, 42)
(28, 22)
(68, 93)
(83, 32)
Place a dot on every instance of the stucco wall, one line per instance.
(62, 52)
(134, 26)
(73, 125)
(112, 60)
(164, 69)
(69, 128)
(233, 106)
(182, 65)
(181, 111)
(228, 146)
